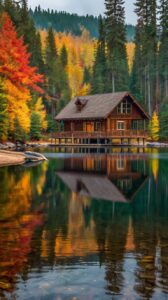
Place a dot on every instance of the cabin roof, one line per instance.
(98, 187)
(97, 106)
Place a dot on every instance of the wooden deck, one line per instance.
(101, 135)
(123, 137)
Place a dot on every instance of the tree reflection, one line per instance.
(53, 215)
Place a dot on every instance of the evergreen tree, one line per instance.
(36, 126)
(51, 50)
(146, 53)
(3, 114)
(64, 56)
(58, 87)
(99, 79)
(136, 74)
(19, 133)
(86, 76)
(163, 50)
(164, 122)
(116, 44)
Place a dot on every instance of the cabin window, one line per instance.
(98, 126)
(124, 108)
(120, 164)
(120, 125)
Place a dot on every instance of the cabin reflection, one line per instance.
(114, 178)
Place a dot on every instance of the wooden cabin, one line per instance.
(107, 119)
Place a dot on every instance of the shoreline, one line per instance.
(11, 158)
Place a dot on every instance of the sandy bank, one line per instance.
(11, 158)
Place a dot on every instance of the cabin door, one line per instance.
(89, 127)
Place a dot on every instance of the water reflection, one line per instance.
(116, 178)
(61, 240)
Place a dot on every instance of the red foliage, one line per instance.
(14, 58)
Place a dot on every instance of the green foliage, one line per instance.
(64, 56)
(58, 86)
(145, 70)
(19, 133)
(3, 114)
(99, 79)
(36, 126)
(116, 45)
(164, 121)
(163, 50)
(86, 75)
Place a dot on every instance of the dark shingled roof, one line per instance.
(97, 107)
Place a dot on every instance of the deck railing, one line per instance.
(97, 135)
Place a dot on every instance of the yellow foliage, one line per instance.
(18, 106)
(154, 127)
(80, 55)
(130, 54)
(155, 168)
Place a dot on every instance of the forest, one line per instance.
(71, 23)
(43, 67)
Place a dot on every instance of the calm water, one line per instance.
(91, 226)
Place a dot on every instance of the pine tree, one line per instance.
(36, 126)
(3, 114)
(154, 127)
(146, 51)
(58, 87)
(136, 74)
(99, 78)
(163, 50)
(19, 133)
(86, 76)
(163, 121)
(116, 44)
(64, 56)
(51, 50)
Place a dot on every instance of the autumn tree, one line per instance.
(154, 127)
(19, 77)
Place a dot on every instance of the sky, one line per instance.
(83, 7)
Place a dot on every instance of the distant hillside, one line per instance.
(66, 22)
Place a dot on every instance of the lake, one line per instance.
(85, 226)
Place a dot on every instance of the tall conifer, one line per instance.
(116, 44)
(146, 46)
(99, 79)
(163, 50)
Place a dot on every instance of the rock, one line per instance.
(34, 156)
(10, 145)
(3, 147)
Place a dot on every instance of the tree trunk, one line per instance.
(113, 83)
